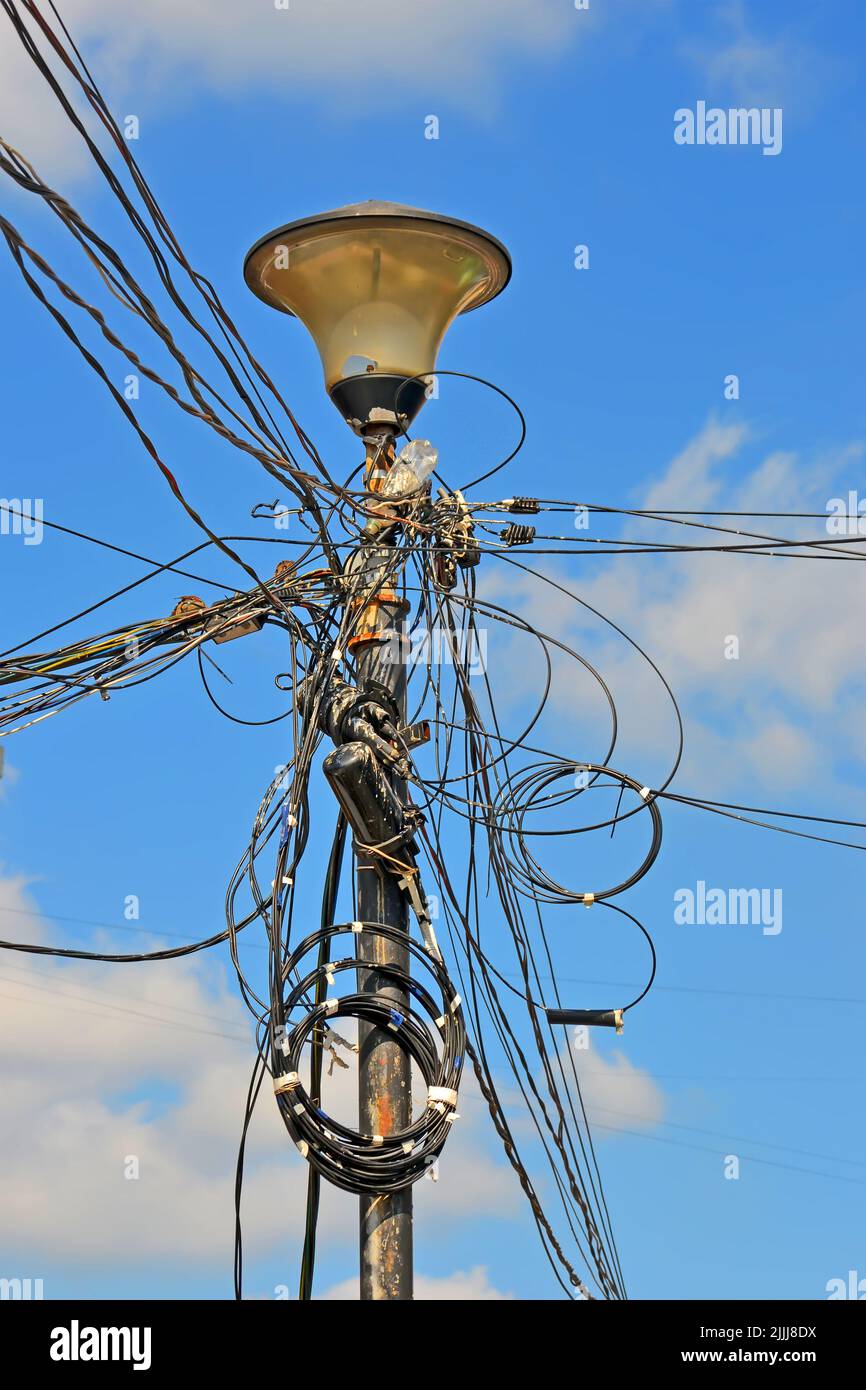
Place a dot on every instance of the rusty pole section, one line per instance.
(385, 1079)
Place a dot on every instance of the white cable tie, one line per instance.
(357, 926)
(337, 654)
(407, 1147)
(287, 1082)
(331, 1006)
(378, 1139)
(302, 1147)
(588, 899)
(646, 793)
(291, 820)
(451, 1117)
(442, 1093)
(298, 1109)
(441, 1021)
(429, 936)
(329, 974)
(455, 1003)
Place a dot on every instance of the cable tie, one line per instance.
(451, 1117)
(455, 1003)
(287, 1082)
(357, 926)
(646, 793)
(441, 1021)
(331, 1006)
(588, 899)
(302, 1147)
(442, 1093)
(407, 1147)
(396, 1019)
(378, 1140)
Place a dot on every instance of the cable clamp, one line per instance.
(287, 1082)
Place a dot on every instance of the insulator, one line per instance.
(516, 534)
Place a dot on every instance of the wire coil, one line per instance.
(433, 1034)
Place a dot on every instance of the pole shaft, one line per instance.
(385, 1080)
(384, 1069)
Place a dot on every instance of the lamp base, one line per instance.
(378, 398)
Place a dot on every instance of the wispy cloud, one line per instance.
(154, 1062)
(461, 1286)
(337, 54)
(750, 717)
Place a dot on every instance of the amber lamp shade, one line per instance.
(377, 285)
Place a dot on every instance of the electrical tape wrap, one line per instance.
(430, 1028)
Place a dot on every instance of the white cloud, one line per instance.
(748, 719)
(153, 1060)
(747, 68)
(616, 1094)
(460, 1286)
(345, 58)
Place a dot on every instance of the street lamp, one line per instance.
(377, 285)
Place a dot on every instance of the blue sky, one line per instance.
(555, 130)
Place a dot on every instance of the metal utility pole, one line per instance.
(384, 1072)
(377, 285)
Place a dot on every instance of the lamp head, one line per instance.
(377, 285)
